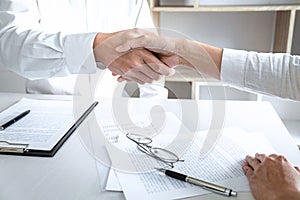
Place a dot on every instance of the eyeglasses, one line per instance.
(163, 155)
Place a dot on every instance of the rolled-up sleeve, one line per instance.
(270, 73)
(33, 53)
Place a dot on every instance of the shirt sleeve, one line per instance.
(33, 53)
(275, 74)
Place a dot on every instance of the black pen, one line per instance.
(13, 120)
(205, 185)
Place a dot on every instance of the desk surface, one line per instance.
(72, 173)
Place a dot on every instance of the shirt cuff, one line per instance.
(78, 49)
(233, 67)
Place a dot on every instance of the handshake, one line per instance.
(143, 56)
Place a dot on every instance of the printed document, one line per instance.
(221, 166)
(42, 128)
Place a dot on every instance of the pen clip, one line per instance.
(14, 147)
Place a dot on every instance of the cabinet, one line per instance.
(283, 32)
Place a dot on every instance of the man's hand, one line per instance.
(137, 65)
(203, 58)
(272, 177)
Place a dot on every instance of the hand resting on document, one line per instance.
(272, 177)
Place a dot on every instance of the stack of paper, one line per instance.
(138, 179)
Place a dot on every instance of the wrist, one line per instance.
(183, 52)
(101, 37)
(215, 53)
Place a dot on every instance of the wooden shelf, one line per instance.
(225, 8)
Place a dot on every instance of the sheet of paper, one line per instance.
(113, 183)
(113, 130)
(42, 128)
(222, 165)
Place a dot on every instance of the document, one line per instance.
(113, 183)
(221, 166)
(47, 122)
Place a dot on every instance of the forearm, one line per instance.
(275, 74)
(204, 58)
(215, 53)
(34, 53)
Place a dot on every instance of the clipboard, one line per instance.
(23, 149)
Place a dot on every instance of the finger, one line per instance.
(133, 78)
(253, 162)
(132, 44)
(115, 69)
(157, 66)
(145, 69)
(140, 76)
(162, 69)
(247, 169)
(145, 39)
(273, 155)
(121, 79)
(297, 168)
(260, 157)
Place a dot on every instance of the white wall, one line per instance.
(243, 30)
(10, 81)
(239, 30)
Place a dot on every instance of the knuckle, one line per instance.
(259, 168)
(149, 81)
(250, 159)
(261, 154)
(282, 158)
(136, 31)
(268, 159)
(273, 155)
(158, 77)
(245, 167)
(158, 68)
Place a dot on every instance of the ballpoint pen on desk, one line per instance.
(205, 185)
(13, 120)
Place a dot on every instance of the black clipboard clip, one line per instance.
(14, 147)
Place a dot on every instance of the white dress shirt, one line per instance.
(275, 74)
(53, 39)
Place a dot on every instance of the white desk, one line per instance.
(72, 175)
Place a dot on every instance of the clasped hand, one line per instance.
(139, 65)
(143, 56)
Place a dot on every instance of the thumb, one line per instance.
(132, 44)
(123, 48)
